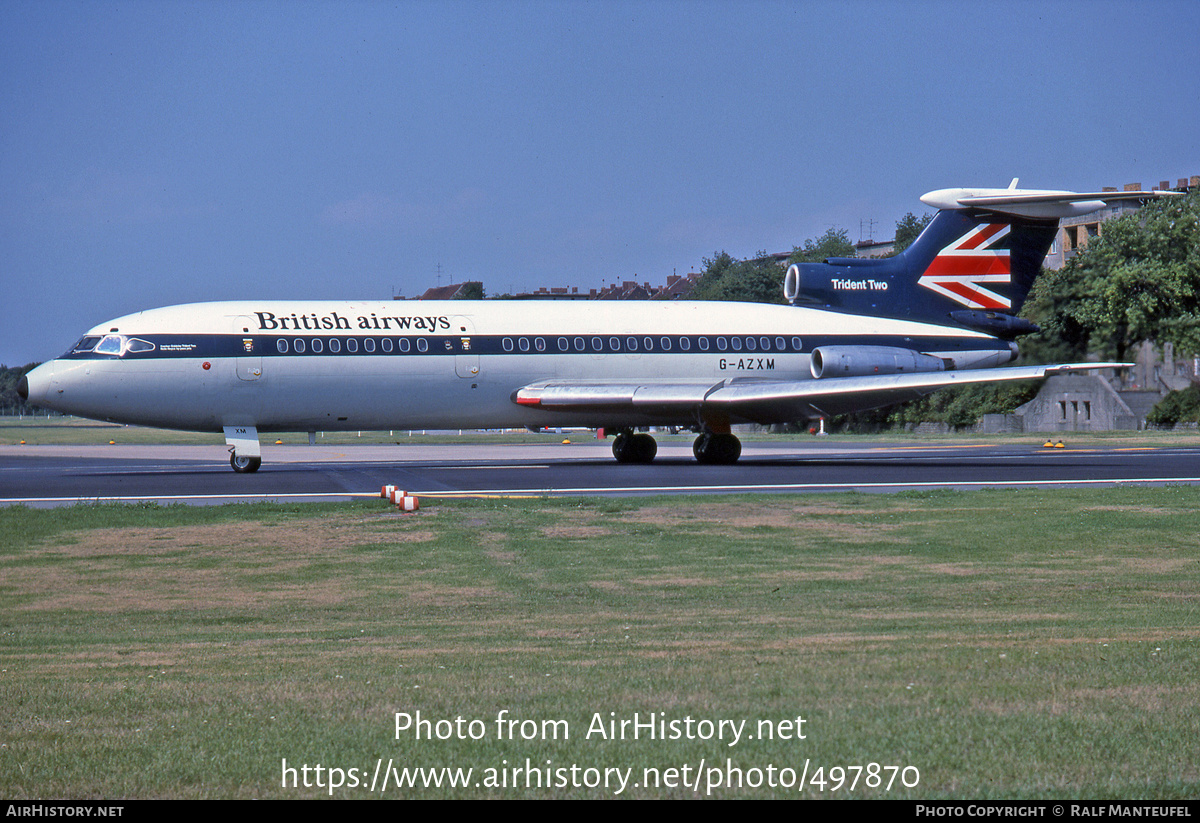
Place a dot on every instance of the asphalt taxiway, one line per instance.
(61, 475)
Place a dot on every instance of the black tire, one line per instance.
(645, 448)
(244, 465)
(728, 449)
(620, 448)
(634, 448)
(717, 449)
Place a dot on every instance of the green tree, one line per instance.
(1177, 407)
(833, 243)
(10, 401)
(1062, 338)
(1140, 280)
(908, 229)
(759, 280)
(471, 290)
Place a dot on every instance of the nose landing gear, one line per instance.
(243, 464)
(245, 455)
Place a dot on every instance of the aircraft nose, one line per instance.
(33, 385)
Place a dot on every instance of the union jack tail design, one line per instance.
(965, 270)
(971, 262)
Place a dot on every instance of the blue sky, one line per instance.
(154, 153)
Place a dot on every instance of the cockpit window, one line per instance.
(111, 344)
(85, 344)
(136, 344)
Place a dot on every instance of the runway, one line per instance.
(200, 475)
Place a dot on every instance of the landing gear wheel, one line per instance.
(634, 448)
(244, 465)
(717, 449)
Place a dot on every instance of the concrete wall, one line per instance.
(1076, 402)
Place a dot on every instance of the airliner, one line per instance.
(856, 334)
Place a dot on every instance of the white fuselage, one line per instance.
(327, 365)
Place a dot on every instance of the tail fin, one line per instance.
(968, 268)
(976, 268)
(974, 264)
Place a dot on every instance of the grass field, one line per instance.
(997, 644)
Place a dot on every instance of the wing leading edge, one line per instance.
(761, 401)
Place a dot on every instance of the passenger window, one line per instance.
(507, 344)
(298, 345)
(685, 343)
(780, 344)
(665, 343)
(369, 344)
(281, 346)
(335, 345)
(736, 342)
(703, 344)
(523, 344)
(386, 344)
(317, 347)
(579, 344)
(351, 344)
(721, 344)
(405, 345)
(422, 344)
(563, 344)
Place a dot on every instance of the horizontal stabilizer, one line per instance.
(1034, 203)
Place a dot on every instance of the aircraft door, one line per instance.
(248, 366)
(466, 354)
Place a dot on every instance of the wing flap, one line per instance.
(567, 394)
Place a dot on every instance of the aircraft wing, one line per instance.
(764, 400)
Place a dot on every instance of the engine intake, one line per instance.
(791, 284)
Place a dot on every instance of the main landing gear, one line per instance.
(710, 448)
(717, 449)
(629, 447)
